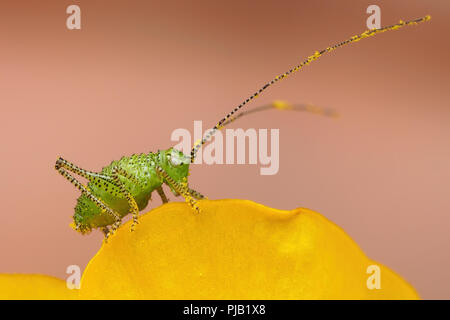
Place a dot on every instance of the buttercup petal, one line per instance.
(236, 249)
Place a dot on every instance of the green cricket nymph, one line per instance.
(126, 185)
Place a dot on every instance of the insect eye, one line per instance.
(175, 161)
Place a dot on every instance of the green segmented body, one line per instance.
(142, 181)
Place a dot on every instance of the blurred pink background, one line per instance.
(137, 70)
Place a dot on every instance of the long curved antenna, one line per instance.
(315, 56)
(284, 105)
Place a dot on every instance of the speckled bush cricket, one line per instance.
(125, 186)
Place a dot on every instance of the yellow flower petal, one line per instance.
(33, 287)
(235, 249)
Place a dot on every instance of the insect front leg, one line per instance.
(197, 195)
(180, 188)
(116, 171)
(61, 165)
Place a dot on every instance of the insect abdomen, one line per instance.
(142, 181)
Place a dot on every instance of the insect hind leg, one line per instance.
(63, 166)
(90, 175)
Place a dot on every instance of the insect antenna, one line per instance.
(284, 105)
(366, 34)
